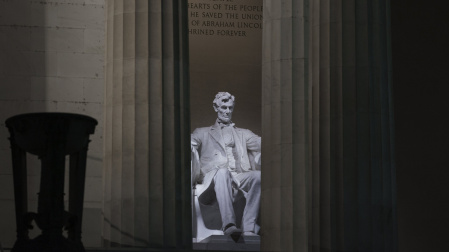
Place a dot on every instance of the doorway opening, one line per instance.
(225, 50)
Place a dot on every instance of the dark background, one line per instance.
(420, 78)
(226, 64)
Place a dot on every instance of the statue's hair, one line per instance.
(224, 97)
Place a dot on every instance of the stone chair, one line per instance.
(206, 218)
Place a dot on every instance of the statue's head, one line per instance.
(224, 106)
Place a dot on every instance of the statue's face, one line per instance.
(224, 110)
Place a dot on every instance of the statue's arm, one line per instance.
(195, 142)
(253, 144)
(195, 139)
(253, 141)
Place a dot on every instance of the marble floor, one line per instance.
(227, 243)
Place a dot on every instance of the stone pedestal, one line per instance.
(226, 243)
(51, 136)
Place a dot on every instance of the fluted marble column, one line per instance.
(328, 180)
(147, 176)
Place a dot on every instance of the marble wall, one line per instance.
(225, 41)
(52, 60)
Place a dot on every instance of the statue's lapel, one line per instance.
(238, 140)
(215, 132)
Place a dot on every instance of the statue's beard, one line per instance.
(224, 119)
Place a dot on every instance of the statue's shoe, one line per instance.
(232, 230)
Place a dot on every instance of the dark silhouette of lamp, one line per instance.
(50, 136)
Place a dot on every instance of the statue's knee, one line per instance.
(256, 176)
(222, 174)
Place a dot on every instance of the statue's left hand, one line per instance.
(258, 159)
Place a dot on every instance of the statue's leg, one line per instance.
(250, 184)
(223, 192)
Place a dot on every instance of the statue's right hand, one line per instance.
(193, 145)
